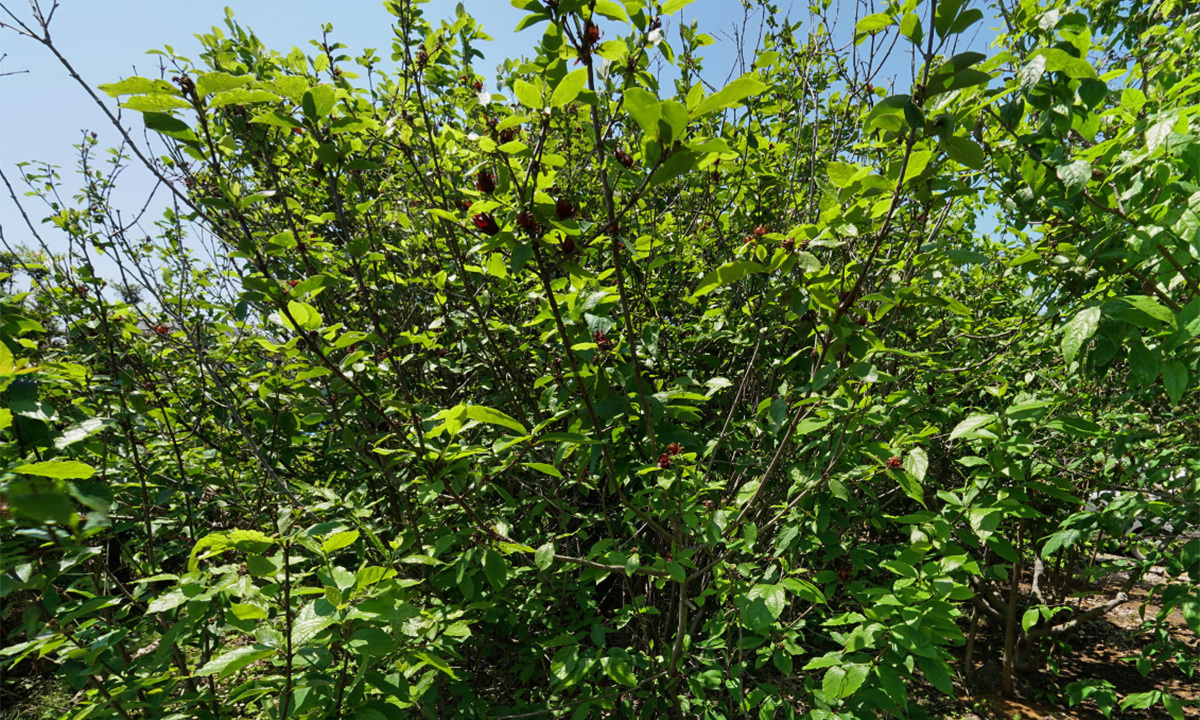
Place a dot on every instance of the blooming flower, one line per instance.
(485, 97)
(486, 224)
(655, 37)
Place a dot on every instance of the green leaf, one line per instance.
(528, 95)
(1075, 175)
(58, 469)
(228, 663)
(843, 680)
(1141, 310)
(155, 102)
(910, 486)
(339, 540)
(872, 24)
(773, 596)
(972, 424)
(679, 163)
(674, 6)
(309, 623)
(242, 96)
(138, 86)
(167, 601)
(963, 151)
(644, 108)
(1092, 92)
(544, 557)
(487, 415)
(568, 88)
(900, 568)
(215, 82)
(916, 463)
(318, 102)
(1059, 61)
(1030, 618)
(1175, 380)
(1077, 427)
(545, 468)
(917, 162)
(725, 275)
(436, 662)
(496, 569)
(947, 12)
(841, 173)
(619, 671)
(168, 125)
(1077, 332)
(371, 641)
(937, 672)
(610, 10)
(305, 316)
(744, 87)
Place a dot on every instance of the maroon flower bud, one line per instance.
(602, 341)
(564, 208)
(507, 135)
(485, 182)
(591, 34)
(478, 85)
(895, 462)
(624, 158)
(788, 244)
(664, 461)
(568, 246)
(525, 220)
(486, 224)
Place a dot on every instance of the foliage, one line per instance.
(613, 391)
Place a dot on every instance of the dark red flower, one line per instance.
(478, 85)
(895, 462)
(602, 341)
(674, 448)
(624, 158)
(591, 34)
(486, 224)
(485, 182)
(664, 461)
(759, 231)
(162, 329)
(564, 208)
(568, 246)
(788, 244)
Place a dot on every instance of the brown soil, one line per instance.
(1103, 649)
